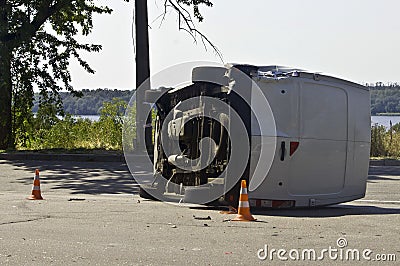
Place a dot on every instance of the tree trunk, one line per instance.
(143, 122)
(6, 139)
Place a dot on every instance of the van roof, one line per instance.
(276, 71)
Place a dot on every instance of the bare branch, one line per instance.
(186, 23)
(162, 15)
(165, 11)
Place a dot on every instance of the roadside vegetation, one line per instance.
(385, 142)
(46, 131)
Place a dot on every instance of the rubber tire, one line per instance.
(151, 96)
(210, 74)
(145, 195)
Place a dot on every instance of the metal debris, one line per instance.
(76, 199)
(201, 218)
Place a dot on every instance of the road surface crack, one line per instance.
(26, 220)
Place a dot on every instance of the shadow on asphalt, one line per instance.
(380, 173)
(81, 177)
(329, 211)
(321, 212)
(372, 178)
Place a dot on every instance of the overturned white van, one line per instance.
(320, 138)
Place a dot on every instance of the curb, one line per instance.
(384, 162)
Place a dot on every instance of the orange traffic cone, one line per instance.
(36, 194)
(244, 214)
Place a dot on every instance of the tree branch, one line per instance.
(29, 29)
(185, 23)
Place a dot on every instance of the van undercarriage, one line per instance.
(191, 164)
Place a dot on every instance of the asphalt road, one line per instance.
(92, 215)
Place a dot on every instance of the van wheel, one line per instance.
(151, 96)
(144, 192)
(212, 74)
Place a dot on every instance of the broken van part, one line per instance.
(300, 139)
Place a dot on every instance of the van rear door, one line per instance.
(318, 166)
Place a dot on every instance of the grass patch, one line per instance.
(384, 158)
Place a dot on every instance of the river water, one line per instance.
(90, 117)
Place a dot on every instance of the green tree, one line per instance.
(385, 98)
(37, 41)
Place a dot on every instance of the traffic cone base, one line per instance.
(244, 214)
(35, 196)
(244, 218)
(36, 193)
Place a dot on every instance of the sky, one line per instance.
(357, 40)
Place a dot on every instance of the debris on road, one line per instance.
(172, 225)
(201, 218)
(76, 199)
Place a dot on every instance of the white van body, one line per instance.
(320, 140)
(329, 119)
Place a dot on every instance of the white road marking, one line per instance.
(381, 201)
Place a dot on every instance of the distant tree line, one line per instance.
(385, 98)
(90, 102)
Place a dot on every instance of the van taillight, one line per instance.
(293, 146)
